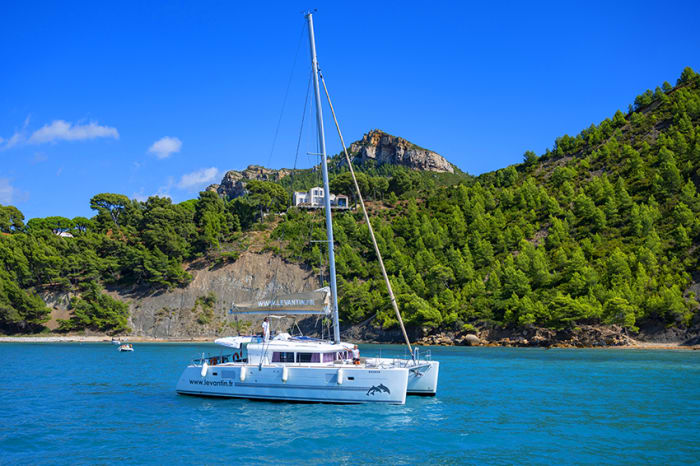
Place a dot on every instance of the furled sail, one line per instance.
(310, 302)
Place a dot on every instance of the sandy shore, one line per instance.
(134, 339)
(647, 345)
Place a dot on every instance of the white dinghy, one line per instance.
(126, 347)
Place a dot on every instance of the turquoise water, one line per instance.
(88, 403)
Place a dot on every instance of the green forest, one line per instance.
(603, 228)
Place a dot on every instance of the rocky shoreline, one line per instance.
(584, 336)
(651, 336)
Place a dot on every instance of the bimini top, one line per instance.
(316, 302)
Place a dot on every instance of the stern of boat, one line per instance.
(423, 378)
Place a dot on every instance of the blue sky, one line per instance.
(145, 98)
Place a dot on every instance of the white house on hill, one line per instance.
(313, 199)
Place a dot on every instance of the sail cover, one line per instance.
(309, 302)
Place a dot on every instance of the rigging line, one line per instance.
(303, 117)
(301, 129)
(299, 256)
(286, 94)
(301, 134)
(369, 224)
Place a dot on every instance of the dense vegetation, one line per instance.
(603, 228)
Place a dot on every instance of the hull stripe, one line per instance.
(302, 387)
(290, 398)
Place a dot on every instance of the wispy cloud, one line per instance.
(58, 130)
(140, 195)
(165, 147)
(39, 157)
(162, 191)
(14, 140)
(61, 130)
(198, 178)
(9, 194)
(6, 191)
(17, 138)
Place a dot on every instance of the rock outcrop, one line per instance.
(584, 336)
(375, 145)
(234, 182)
(185, 312)
(385, 148)
(201, 308)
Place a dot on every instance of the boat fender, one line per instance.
(340, 376)
(243, 374)
(205, 366)
(285, 374)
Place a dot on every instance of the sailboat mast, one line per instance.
(324, 170)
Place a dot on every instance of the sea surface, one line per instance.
(87, 403)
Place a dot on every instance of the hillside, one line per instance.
(601, 230)
(378, 155)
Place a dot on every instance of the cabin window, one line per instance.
(282, 357)
(316, 357)
(304, 357)
(328, 357)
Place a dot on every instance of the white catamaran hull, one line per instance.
(325, 384)
(422, 375)
(423, 378)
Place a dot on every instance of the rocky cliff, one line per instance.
(385, 148)
(375, 145)
(201, 308)
(234, 182)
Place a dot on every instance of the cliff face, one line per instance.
(201, 308)
(375, 145)
(385, 148)
(234, 182)
(185, 312)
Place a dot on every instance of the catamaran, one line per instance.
(298, 368)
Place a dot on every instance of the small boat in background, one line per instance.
(126, 347)
(116, 342)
